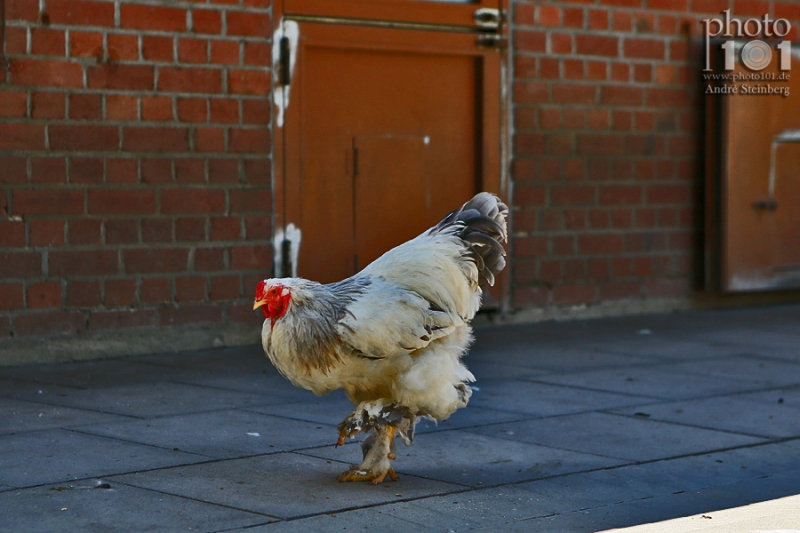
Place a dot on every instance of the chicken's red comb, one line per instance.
(260, 289)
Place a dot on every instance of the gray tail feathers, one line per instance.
(481, 224)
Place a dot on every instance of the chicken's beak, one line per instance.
(259, 303)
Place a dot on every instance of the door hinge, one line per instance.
(488, 18)
(492, 40)
(355, 162)
(286, 258)
(285, 59)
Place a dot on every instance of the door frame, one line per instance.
(496, 149)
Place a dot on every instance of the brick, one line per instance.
(192, 109)
(155, 290)
(48, 105)
(86, 44)
(257, 171)
(227, 111)
(209, 259)
(157, 48)
(667, 288)
(123, 47)
(85, 170)
(120, 76)
(42, 295)
(21, 10)
(153, 139)
(48, 42)
(157, 230)
(206, 21)
(51, 323)
(253, 141)
(80, 13)
(83, 137)
(46, 232)
(83, 293)
(620, 290)
(530, 195)
(573, 294)
(530, 41)
(257, 111)
(561, 43)
(84, 231)
(668, 194)
(621, 95)
(644, 48)
(600, 244)
(156, 108)
(209, 140)
(599, 144)
(11, 296)
(248, 24)
(251, 258)
(193, 51)
(83, 263)
(12, 233)
(121, 201)
(20, 264)
(597, 45)
(190, 229)
(85, 106)
(191, 80)
(46, 73)
(155, 260)
(48, 202)
(242, 313)
(224, 288)
(190, 171)
(190, 314)
(573, 94)
(175, 201)
(119, 292)
(21, 137)
(121, 171)
(598, 19)
(121, 107)
(257, 228)
(250, 200)
(225, 52)
(533, 92)
(156, 171)
(17, 40)
(253, 82)
(573, 195)
(530, 297)
(225, 229)
(13, 104)
(121, 319)
(121, 231)
(621, 195)
(190, 289)
(152, 18)
(257, 54)
(48, 170)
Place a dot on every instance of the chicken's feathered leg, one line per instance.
(385, 420)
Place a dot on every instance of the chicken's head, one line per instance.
(273, 298)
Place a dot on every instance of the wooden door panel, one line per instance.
(760, 221)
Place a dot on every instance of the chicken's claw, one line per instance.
(354, 474)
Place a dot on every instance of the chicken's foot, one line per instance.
(376, 466)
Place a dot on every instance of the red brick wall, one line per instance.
(134, 164)
(607, 148)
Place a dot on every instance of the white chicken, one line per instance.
(392, 335)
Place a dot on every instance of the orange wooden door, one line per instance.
(386, 129)
(760, 185)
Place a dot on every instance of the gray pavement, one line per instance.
(574, 427)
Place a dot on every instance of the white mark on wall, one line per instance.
(280, 93)
(294, 236)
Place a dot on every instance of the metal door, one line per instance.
(759, 186)
(382, 126)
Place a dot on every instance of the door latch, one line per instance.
(765, 204)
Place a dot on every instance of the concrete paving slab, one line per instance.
(285, 485)
(90, 374)
(476, 460)
(759, 373)
(540, 358)
(729, 413)
(648, 381)
(220, 434)
(617, 436)
(541, 399)
(58, 455)
(17, 416)
(332, 409)
(373, 519)
(85, 506)
(147, 400)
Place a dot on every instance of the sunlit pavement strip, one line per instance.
(574, 427)
(775, 516)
